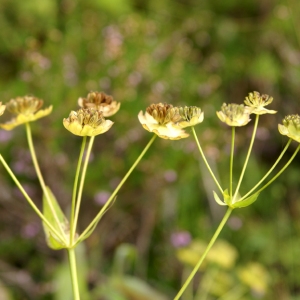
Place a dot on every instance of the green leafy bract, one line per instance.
(53, 241)
(246, 202)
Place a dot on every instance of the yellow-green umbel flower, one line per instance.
(257, 102)
(234, 114)
(2, 108)
(27, 109)
(161, 119)
(100, 101)
(87, 122)
(291, 127)
(190, 116)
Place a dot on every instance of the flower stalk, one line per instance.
(73, 272)
(211, 243)
(247, 158)
(113, 195)
(29, 200)
(41, 179)
(74, 194)
(80, 189)
(205, 160)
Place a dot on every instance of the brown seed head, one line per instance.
(163, 113)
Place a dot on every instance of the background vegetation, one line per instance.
(188, 52)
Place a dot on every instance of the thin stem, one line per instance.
(269, 172)
(31, 203)
(111, 198)
(279, 173)
(205, 160)
(41, 179)
(83, 174)
(231, 159)
(212, 241)
(73, 271)
(247, 158)
(72, 229)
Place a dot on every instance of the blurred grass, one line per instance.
(141, 52)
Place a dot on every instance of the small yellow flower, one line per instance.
(87, 122)
(234, 114)
(2, 108)
(291, 127)
(257, 102)
(161, 119)
(100, 101)
(190, 116)
(27, 110)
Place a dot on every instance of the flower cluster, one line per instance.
(239, 114)
(89, 119)
(168, 122)
(87, 122)
(100, 101)
(26, 109)
(291, 127)
(258, 102)
(234, 114)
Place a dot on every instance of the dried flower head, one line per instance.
(190, 116)
(100, 101)
(27, 109)
(234, 114)
(2, 108)
(291, 127)
(161, 119)
(87, 122)
(257, 102)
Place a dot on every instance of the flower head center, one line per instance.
(26, 105)
(87, 116)
(96, 99)
(187, 113)
(255, 99)
(234, 111)
(163, 113)
(293, 120)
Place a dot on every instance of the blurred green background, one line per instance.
(188, 52)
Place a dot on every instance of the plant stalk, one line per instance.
(111, 198)
(73, 271)
(205, 160)
(212, 241)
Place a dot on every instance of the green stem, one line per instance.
(31, 203)
(41, 179)
(205, 160)
(269, 172)
(212, 241)
(231, 159)
(112, 197)
(79, 195)
(72, 228)
(247, 158)
(73, 270)
(279, 173)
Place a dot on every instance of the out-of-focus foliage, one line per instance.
(190, 52)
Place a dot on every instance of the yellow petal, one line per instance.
(167, 131)
(21, 119)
